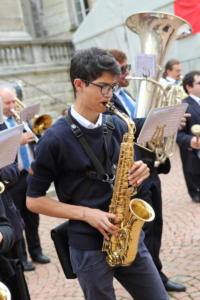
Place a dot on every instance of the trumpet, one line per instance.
(26, 127)
(41, 122)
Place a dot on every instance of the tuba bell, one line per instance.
(156, 31)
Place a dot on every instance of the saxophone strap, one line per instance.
(100, 173)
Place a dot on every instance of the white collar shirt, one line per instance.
(83, 121)
(195, 98)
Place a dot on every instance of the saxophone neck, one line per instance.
(129, 122)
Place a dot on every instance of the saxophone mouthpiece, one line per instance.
(110, 106)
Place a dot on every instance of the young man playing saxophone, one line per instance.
(61, 158)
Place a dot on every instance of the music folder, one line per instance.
(1, 111)
(9, 144)
(168, 117)
(29, 112)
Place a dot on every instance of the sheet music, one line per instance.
(29, 112)
(145, 65)
(9, 144)
(1, 111)
(169, 117)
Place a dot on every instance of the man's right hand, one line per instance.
(27, 137)
(195, 143)
(101, 220)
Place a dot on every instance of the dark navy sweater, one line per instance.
(60, 158)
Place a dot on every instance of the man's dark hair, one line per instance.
(89, 64)
(169, 65)
(119, 55)
(189, 79)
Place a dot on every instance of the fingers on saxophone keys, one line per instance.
(108, 229)
(138, 172)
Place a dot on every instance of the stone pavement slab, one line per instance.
(180, 251)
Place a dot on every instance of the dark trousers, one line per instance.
(151, 193)
(95, 276)
(192, 182)
(12, 274)
(31, 220)
(191, 170)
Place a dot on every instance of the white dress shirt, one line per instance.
(83, 121)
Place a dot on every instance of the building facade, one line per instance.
(36, 48)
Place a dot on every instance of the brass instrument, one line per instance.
(4, 292)
(41, 122)
(157, 31)
(2, 187)
(122, 249)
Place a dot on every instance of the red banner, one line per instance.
(190, 11)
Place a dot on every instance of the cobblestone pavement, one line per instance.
(180, 248)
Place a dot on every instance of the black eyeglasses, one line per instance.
(125, 68)
(105, 88)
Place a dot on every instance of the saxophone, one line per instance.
(122, 249)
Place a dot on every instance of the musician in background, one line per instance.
(7, 240)
(122, 98)
(172, 73)
(189, 144)
(7, 237)
(61, 158)
(150, 190)
(18, 191)
(11, 267)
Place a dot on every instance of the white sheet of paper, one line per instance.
(145, 65)
(169, 116)
(29, 112)
(1, 111)
(9, 144)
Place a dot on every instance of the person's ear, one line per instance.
(188, 88)
(78, 84)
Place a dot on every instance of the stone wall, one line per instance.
(12, 25)
(42, 69)
(36, 48)
(56, 17)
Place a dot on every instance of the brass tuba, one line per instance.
(156, 31)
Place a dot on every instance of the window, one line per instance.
(81, 8)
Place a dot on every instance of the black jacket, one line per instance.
(189, 157)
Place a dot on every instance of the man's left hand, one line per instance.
(138, 172)
(183, 121)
